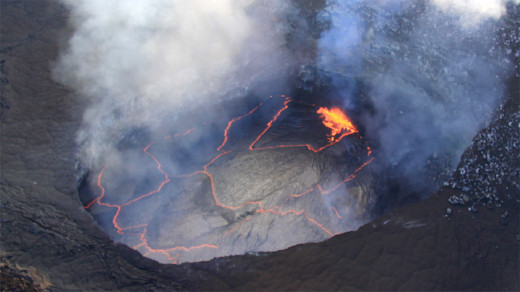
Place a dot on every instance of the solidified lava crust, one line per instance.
(246, 193)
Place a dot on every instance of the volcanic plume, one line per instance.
(422, 77)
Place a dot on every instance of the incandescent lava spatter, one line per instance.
(285, 172)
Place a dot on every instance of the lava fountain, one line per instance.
(283, 173)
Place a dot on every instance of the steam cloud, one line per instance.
(473, 12)
(433, 72)
(139, 61)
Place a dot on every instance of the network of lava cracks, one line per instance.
(339, 130)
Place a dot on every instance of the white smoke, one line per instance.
(473, 12)
(433, 71)
(139, 61)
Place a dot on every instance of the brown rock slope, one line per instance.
(49, 242)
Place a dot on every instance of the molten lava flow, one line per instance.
(333, 119)
(270, 124)
(337, 122)
(337, 213)
(340, 126)
(230, 123)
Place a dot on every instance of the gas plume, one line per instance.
(432, 71)
(472, 12)
(140, 62)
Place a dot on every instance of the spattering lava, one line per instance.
(340, 126)
(337, 122)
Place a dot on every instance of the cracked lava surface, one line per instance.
(256, 193)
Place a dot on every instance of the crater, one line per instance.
(279, 174)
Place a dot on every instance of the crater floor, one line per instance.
(275, 177)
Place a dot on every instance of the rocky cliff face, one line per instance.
(50, 243)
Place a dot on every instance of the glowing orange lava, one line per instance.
(340, 126)
(337, 213)
(333, 119)
(337, 122)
